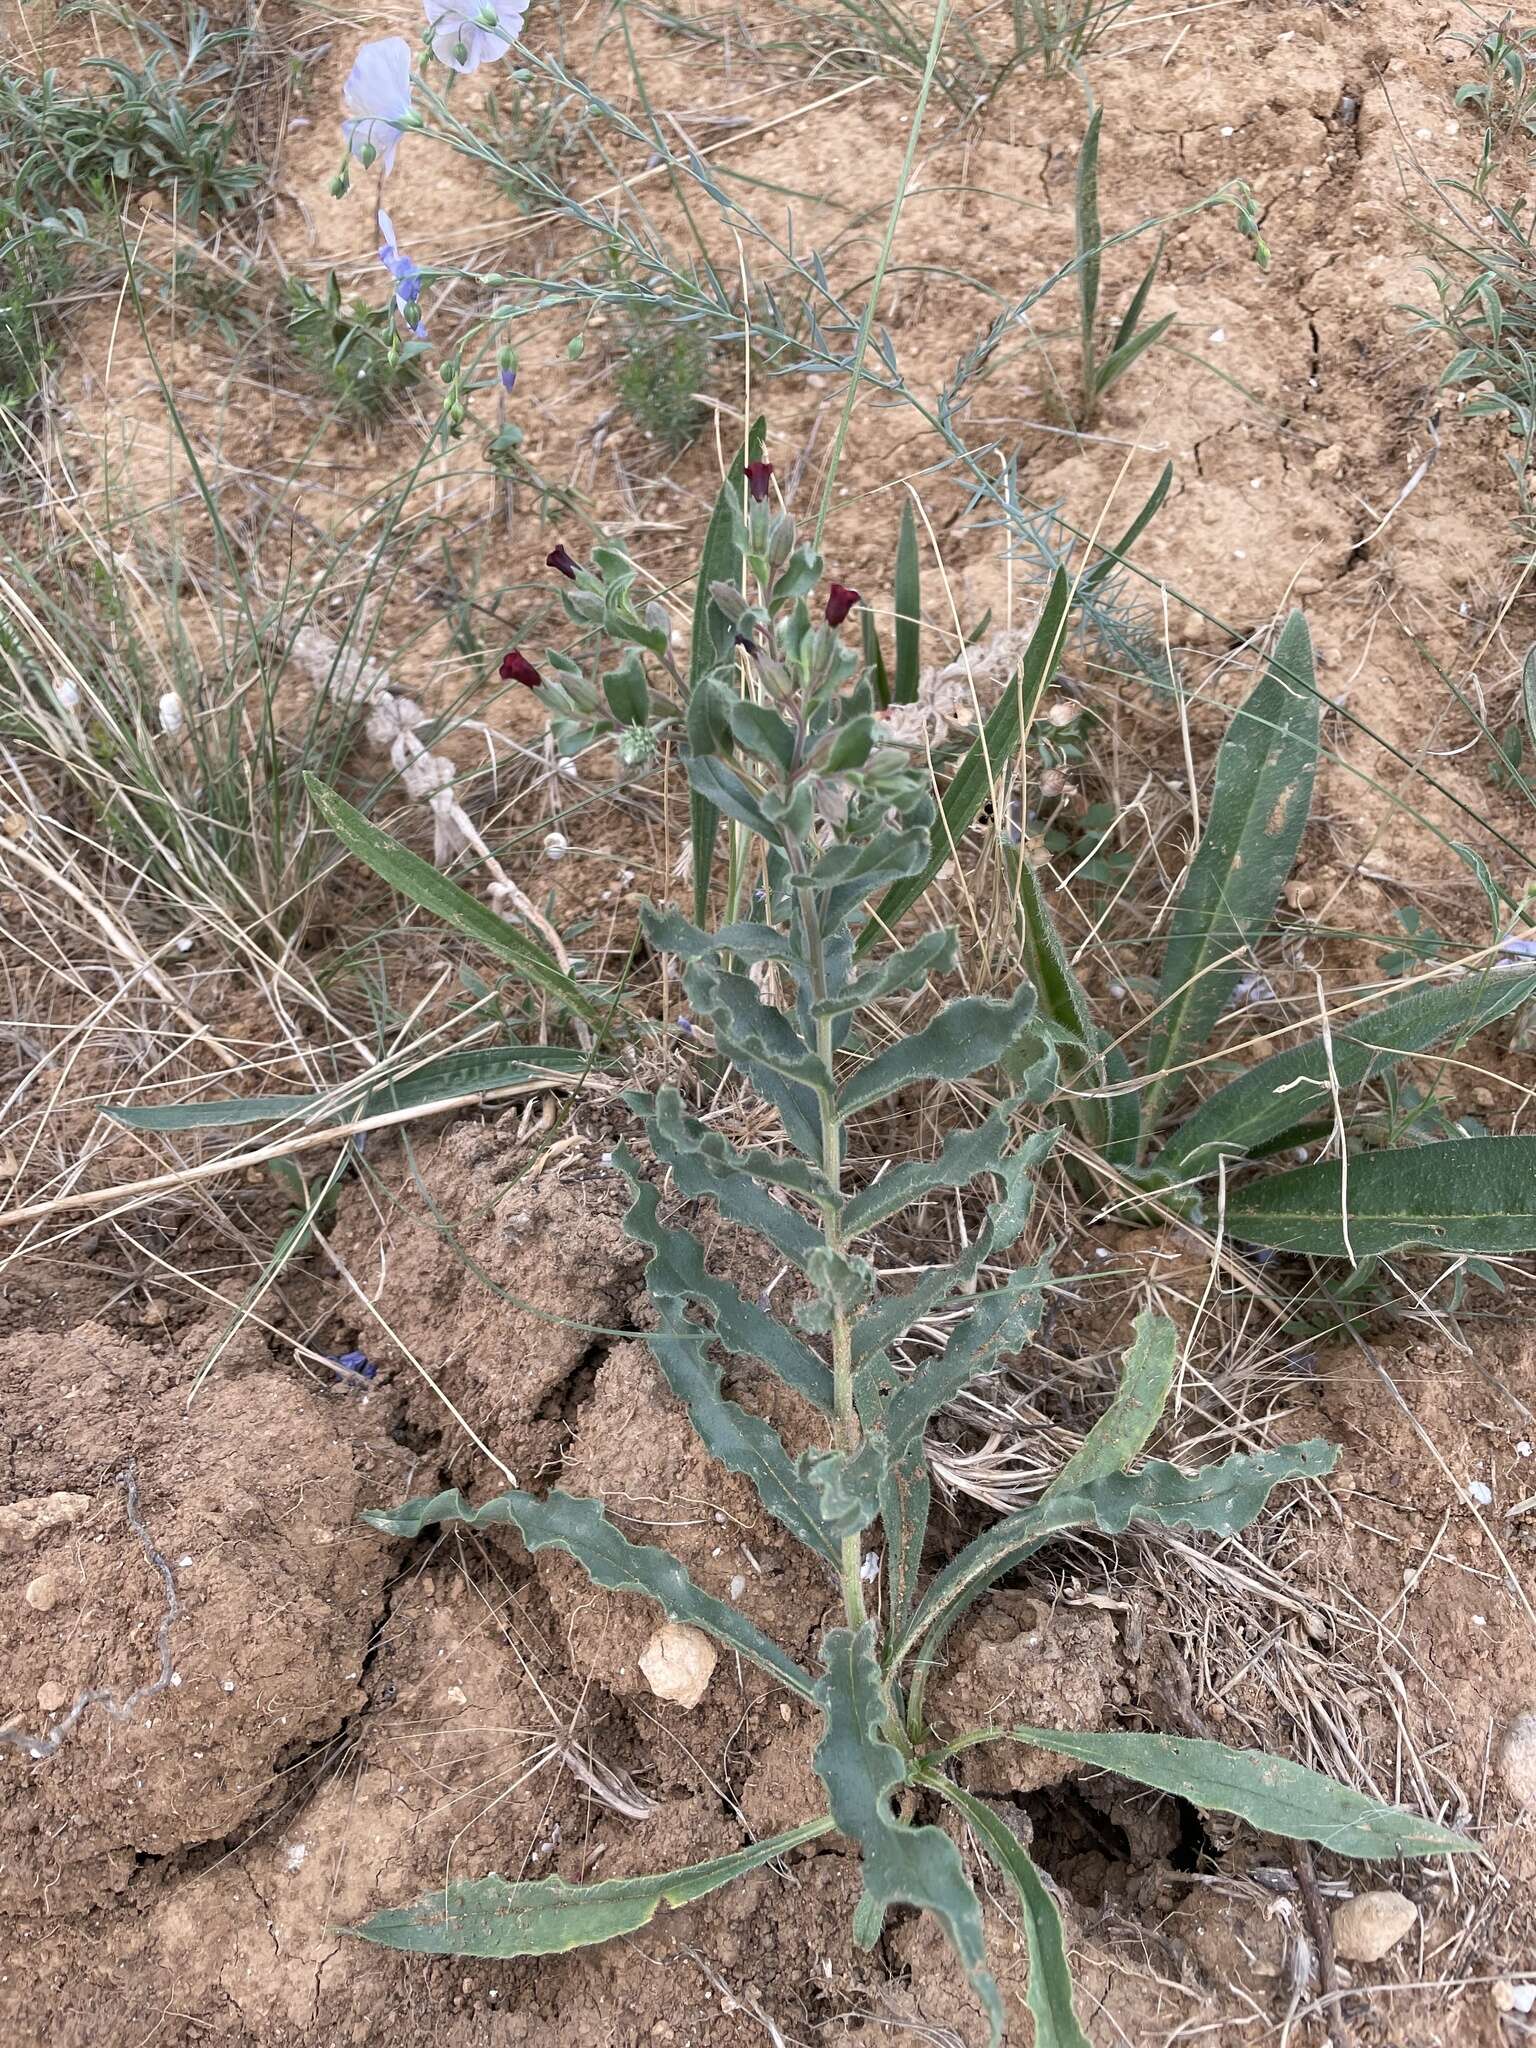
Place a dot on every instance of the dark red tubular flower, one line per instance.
(840, 602)
(517, 668)
(757, 475)
(557, 558)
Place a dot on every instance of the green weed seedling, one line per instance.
(1102, 371)
(352, 348)
(828, 817)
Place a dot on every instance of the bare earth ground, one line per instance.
(348, 1722)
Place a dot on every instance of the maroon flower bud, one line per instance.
(557, 558)
(757, 475)
(517, 668)
(840, 602)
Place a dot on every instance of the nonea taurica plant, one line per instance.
(784, 742)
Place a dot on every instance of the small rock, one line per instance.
(25, 1520)
(677, 1664)
(51, 1696)
(1329, 461)
(1508, 1995)
(1364, 1929)
(45, 1592)
(1517, 1759)
(1300, 895)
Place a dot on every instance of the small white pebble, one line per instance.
(1453, 127)
(738, 1586)
(67, 694)
(1229, 131)
(869, 1570)
(556, 846)
(1482, 1494)
(175, 1678)
(1423, 134)
(1255, 483)
(1479, 1621)
(229, 1685)
(293, 1857)
(1522, 1449)
(172, 716)
(1218, 336)
(1239, 554)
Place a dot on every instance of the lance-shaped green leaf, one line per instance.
(963, 1155)
(1466, 1195)
(884, 857)
(763, 1043)
(887, 1321)
(670, 932)
(906, 1494)
(742, 1443)
(1122, 1431)
(570, 1522)
(902, 1866)
(677, 1272)
(707, 1167)
(987, 760)
(1272, 1794)
(1218, 1500)
(1111, 1121)
(719, 788)
(487, 1916)
(1049, 1998)
(778, 1169)
(934, 953)
(1290, 1087)
(908, 595)
(1258, 811)
(713, 635)
(1005, 1317)
(421, 882)
(967, 1035)
(480, 1070)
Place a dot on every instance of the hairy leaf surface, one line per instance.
(1463, 1195)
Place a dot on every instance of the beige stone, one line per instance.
(45, 1592)
(1365, 1928)
(25, 1520)
(1517, 1759)
(677, 1664)
(51, 1696)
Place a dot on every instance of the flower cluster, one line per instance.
(379, 87)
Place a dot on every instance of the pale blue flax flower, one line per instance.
(406, 276)
(464, 34)
(377, 97)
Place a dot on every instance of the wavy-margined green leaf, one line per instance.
(480, 1070)
(888, 1319)
(1289, 1088)
(705, 1166)
(910, 967)
(906, 1495)
(1049, 1998)
(963, 1155)
(1004, 1318)
(1122, 1431)
(1463, 1195)
(986, 759)
(670, 932)
(968, 1034)
(847, 1484)
(421, 882)
(677, 1272)
(713, 636)
(1111, 1121)
(902, 1865)
(573, 1523)
(887, 857)
(487, 1916)
(765, 1046)
(1258, 811)
(1218, 1500)
(1274, 1795)
(907, 593)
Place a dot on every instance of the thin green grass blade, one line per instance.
(1049, 1998)
(1113, 558)
(908, 595)
(1465, 1195)
(986, 759)
(713, 634)
(478, 1071)
(1258, 811)
(487, 1916)
(421, 882)
(1089, 238)
(1118, 361)
(1289, 1087)
(1131, 319)
(1272, 1794)
(573, 1523)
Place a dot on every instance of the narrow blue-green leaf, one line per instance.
(479, 1071)
(677, 1272)
(670, 932)
(762, 1043)
(420, 881)
(487, 1916)
(908, 596)
(1049, 1997)
(1528, 691)
(1289, 1087)
(1123, 1430)
(1130, 319)
(1464, 1195)
(1111, 1122)
(906, 1494)
(706, 1167)
(934, 953)
(1114, 558)
(1089, 240)
(570, 1522)
(664, 1111)
(1004, 1318)
(1218, 1500)
(1253, 827)
(967, 1035)
(986, 759)
(963, 1155)
(1269, 1792)
(902, 1865)
(713, 634)
(874, 657)
(1115, 365)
